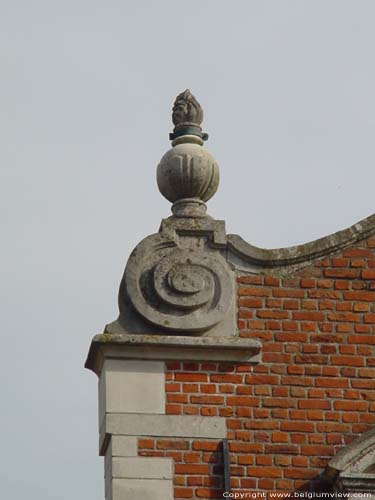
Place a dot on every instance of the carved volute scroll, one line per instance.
(178, 280)
(176, 285)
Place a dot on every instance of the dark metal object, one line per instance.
(226, 460)
(188, 130)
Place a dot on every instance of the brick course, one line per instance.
(311, 394)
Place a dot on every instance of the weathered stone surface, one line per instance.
(179, 281)
(134, 467)
(356, 483)
(131, 386)
(142, 467)
(313, 392)
(124, 446)
(187, 116)
(349, 468)
(118, 446)
(188, 175)
(141, 489)
(359, 456)
(133, 424)
(245, 256)
(188, 170)
(182, 279)
(170, 347)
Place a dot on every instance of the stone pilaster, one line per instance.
(132, 406)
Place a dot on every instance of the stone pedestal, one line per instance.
(132, 406)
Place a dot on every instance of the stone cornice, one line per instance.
(168, 347)
(244, 255)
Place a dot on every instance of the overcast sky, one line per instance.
(87, 86)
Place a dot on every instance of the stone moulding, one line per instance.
(357, 483)
(244, 255)
(359, 456)
(170, 347)
(182, 279)
(352, 469)
(178, 280)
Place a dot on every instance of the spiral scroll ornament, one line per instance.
(178, 289)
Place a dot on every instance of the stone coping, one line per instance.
(347, 470)
(246, 254)
(170, 347)
(356, 457)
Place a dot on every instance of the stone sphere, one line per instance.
(188, 171)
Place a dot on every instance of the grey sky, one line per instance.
(87, 89)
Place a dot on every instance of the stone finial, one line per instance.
(178, 280)
(188, 175)
(187, 116)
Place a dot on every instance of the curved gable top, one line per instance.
(248, 255)
(358, 457)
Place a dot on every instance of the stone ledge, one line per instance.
(170, 347)
(172, 426)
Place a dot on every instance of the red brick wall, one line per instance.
(312, 393)
(198, 465)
